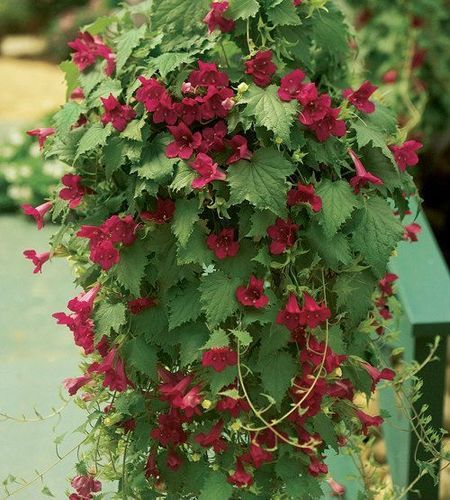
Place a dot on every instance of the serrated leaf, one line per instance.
(381, 166)
(192, 338)
(100, 24)
(126, 42)
(269, 111)
(242, 9)
(325, 427)
(218, 338)
(218, 297)
(181, 14)
(155, 165)
(366, 133)
(283, 13)
(338, 203)
(113, 155)
(354, 294)
(185, 217)
(184, 305)
(183, 177)
(94, 137)
(142, 356)
(67, 116)
(168, 62)
(334, 251)
(107, 86)
(216, 487)
(261, 181)
(377, 234)
(276, 373)
(109, 317)
(244, 338)
(195, 251)
(260, 220)
(131, 267)
(71, 74)
(330, 31)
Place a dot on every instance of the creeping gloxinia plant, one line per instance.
(231, 206)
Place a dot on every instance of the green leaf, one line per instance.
(166, 63)
(325, 427)
(142, 356)
(330, 31)
(155, 165)
(71, 74)
(260, 221)
(192, 338)
(283, 13)
(196, 251)
(242, 9)
(334, 251)
(367, 132)
(377, 234)
(276, 372)
(126, 42)
(219, 380)
(184, 305)
(338, 203)
(113, 155)
(218, 338)
(180, 14)
(100, 24)
(94, 137)
(262, 181)
(183, 177)
(216, 487)
(67, 116)
(218, 297)
(269, 111)
(108, 86)
(131, 267)
(354, 294)
(109, 317)
(185, 217)
(381, 166)
(244, 338)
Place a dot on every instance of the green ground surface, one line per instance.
(35, 356)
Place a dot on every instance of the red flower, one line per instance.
(140, 304)
(170, 430)
(117, 114)
(88, 48)
(165, 208)
(214, 137)
(74, 384)
(252, 295)
(223, 244)
(368, 421)
(174, 461)
(385, 284)
(290, 315)
(82, 327)
(362, 176)
(208, 170)
(304, 193)
(390, 76)
(77, 93)
(85, 485)
(165, 111)
(261, 68)
(312, 314)
(150, 93)
(215, 104)
(233, 406)
(219, 358)
(41, 134)
(189, 401)
(406, 154)
(212, 438)
(105, 255)
(411, 232)
(120, 230)
(84, 302)
(240, 149)
(283, 234)
(257, 456)
(297, 3)
(151, 468)
(38, 213)
(114, 372)
(360, 97)
(329, 126)
(317, 467)
(338, 489)
(208, 75)
(74, 191)
(188, 110)
(185, 142)
(315, 106)
(38, 259)
(214, 19)
(291, 85)
(377, 375)
(240, 477)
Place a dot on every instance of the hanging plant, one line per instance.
(231, 210)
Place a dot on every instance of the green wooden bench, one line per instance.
(424, 292)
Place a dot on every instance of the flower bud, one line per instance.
(242, 88)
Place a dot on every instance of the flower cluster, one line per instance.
(87, 49)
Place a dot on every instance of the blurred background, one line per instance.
(403, 47)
